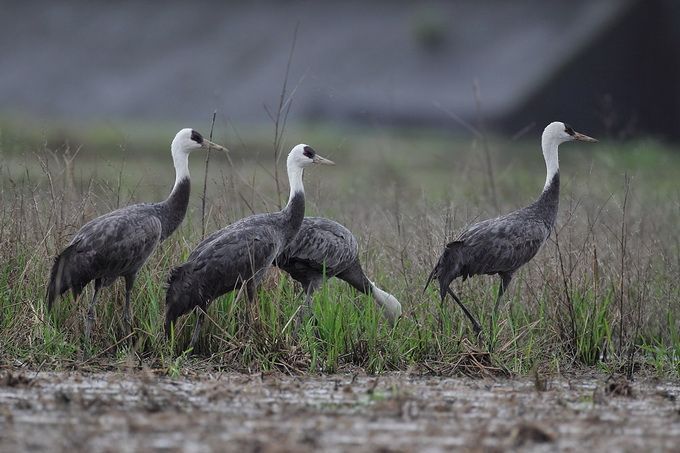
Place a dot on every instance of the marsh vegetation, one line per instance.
(602, 293)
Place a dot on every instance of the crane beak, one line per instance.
(207, 144)
(583, 138)
(322, 160)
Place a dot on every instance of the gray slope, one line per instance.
(175, 59)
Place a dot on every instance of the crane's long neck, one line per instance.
(295, 209)
(174, 208)
(388, 302)
(552, 162)
(548, 202)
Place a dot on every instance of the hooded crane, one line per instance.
(504, 244)
(323, 247)
(117, 244)
(240, 253)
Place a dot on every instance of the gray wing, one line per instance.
(257, 220)
(503, 244)
(321, 244)
(117, 243)
(224, 261)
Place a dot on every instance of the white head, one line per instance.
(558, 132)
(555, 134)
(302, 156)
(188, 140)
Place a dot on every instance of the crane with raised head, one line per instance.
(504, 244)
(239, 254)
(117, 244)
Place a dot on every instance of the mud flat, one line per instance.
(74, 411)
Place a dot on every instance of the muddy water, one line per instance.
(396, 412)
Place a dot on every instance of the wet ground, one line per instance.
(274, 412)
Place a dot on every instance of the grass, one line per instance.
(602, 293)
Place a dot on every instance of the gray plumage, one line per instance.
(504, 244)
(115, 245)
(229, 258)
(239, 254)
(500, 245)
(118, 244)
(324, 247)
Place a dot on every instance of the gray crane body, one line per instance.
(500, 245)
(231, 257)
(504, 244)
(240, 253)
(118, 244)
(322, 249)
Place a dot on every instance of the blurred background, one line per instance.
(609, 67)
(438, 99)
(444, 98)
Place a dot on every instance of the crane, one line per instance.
(118, 244)
(504, 244)
(240, 253)
(324, 247)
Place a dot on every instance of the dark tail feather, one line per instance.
(174, 277)
(58, 284)
(168, 327)
(51, 293)
(180, 296)
(447, 268)
(444, 282)
(442, 275)
(431, 276)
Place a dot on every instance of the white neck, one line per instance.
(295, 180)
(181, 161)
(387, 302)
(552, 164)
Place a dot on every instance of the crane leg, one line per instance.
(475, 325)
(505, 282)
(306, 308)
(251, 306)
(127, 317)
(89, 320)
(200, 316)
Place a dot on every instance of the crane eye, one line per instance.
(309, 152)
(195, 136)
(568, 129)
